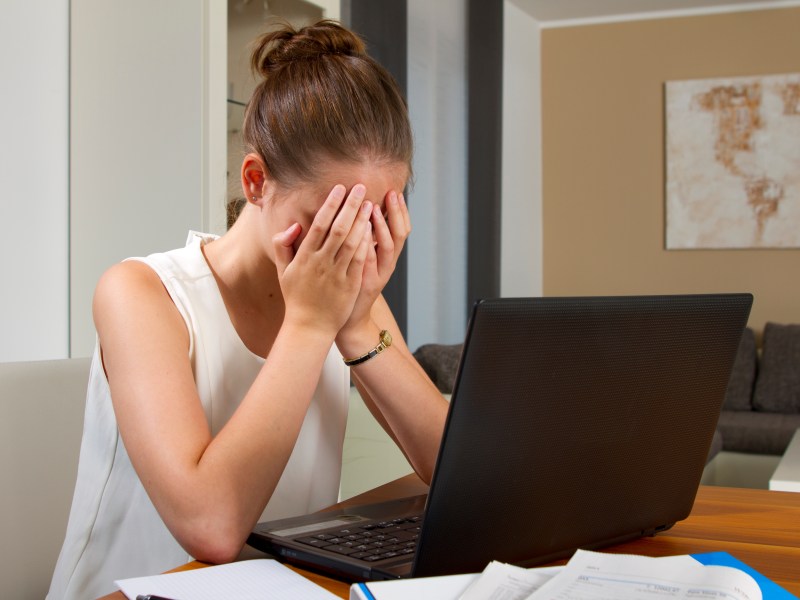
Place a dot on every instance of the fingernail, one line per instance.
(359, 191)
(393, 198)
(367, 206)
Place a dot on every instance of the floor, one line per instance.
(735, 469)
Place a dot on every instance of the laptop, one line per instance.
(573, 423)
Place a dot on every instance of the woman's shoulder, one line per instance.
(151, 273)
(131, 306)
(126, 285)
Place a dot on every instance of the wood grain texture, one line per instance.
(759, 527)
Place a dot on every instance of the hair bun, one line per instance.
(287, 44)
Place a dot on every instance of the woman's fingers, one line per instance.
(391, 231)
(282, 242)
(399, 219)
(350, 227)
(321, 225)
(346, 236)
(339, 224)
(384, 247)
(404, 212)
(364, 253)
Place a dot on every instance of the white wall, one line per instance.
(113, 145)
(148, 135)
(34, 168)
(521, 243)
(437, 248)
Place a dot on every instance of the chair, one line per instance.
(41, 421)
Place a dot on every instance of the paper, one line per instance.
(444, 587)
(593, 575)
(261, 579)
(501, 581)
(769, 589)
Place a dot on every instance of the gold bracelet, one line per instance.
(385, 342)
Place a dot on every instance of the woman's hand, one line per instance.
(322, 280)
(381, 258)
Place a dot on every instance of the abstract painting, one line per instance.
(733, 162)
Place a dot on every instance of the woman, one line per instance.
(218, 392)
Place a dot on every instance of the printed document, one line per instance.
(595, 575)
(501, 581)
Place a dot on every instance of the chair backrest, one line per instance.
(41, 421)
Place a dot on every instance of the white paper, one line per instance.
(594, 575)
(444, 587)
(261, 579)
(501, 581)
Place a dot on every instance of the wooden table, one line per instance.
(759, 527)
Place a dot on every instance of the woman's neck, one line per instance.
(248, 282)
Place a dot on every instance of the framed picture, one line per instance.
(733, 162)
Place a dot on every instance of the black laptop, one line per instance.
(574, 423)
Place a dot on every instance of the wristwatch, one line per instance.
(385, 341)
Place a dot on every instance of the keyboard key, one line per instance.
(313, 541)
(371, 541)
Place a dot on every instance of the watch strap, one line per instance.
(385, 341)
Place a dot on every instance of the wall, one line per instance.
(246, 22)
(603, 159)
(437, 202)
(522, 228)
(34, 179)
(147, 143)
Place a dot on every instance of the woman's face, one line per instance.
(300, 204)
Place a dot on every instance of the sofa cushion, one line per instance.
(778, 385)
(756, 432)
(440, 362)
(743, 376)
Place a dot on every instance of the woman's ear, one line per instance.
(255, 179)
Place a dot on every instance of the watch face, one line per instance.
(386, 338)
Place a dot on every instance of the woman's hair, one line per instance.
(322, 98)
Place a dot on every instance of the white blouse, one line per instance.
(114, 531)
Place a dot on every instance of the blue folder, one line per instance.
(769, 589)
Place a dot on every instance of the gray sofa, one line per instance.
(762, 405)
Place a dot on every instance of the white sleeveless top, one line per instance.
(114, 531)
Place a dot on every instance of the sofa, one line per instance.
(761, 410)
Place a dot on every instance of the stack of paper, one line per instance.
(589, 576)
(623, 576)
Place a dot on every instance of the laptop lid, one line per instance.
(574, 422)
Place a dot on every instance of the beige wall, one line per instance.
(603, 156)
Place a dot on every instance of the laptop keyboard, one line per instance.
(370, 541)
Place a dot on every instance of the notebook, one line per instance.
(573, 423)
